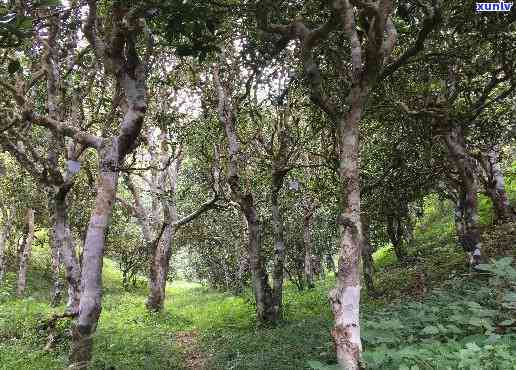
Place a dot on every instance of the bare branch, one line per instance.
(61, 128)
(431, 21)
(206, 206)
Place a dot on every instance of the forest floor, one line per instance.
(458, 323)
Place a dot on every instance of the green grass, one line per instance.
(453, 327)
(394, 334)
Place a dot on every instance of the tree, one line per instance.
(265, 310)
(457, 112)
(367, 59)
(24, 252)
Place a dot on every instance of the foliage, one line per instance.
(456, 326)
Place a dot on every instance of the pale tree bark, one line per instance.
(24, 253)
(494, 185)
(469, 235)
(7, 218)
(465, 185)
(64, 243)
(162, 251)
(56, 269)
(345, 298)
(92, 258)
(58, 186)
(122, 61)
(158, 240)
(265, 309)
(46, 170)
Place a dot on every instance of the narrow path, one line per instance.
(194, 359)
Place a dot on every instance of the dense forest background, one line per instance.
(229, 184)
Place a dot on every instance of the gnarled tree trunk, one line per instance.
(123, 62)
(24, 253)
(56, 291)
(7, 218)
(63, 242)
(265, 309)
(494, 185)
(92, 260)
(160, 262)
(162, 248)
(345, 297)
(469, 235)
(396, 235)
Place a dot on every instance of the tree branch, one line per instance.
(206, 206)
(431, 21)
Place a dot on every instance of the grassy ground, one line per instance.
(455, 325)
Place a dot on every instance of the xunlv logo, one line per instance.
(493, 7)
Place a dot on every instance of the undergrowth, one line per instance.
(460, 323)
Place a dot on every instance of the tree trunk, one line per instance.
(162, 252)
(92, 259)
(159, 270)
(495, 186)
(469, 238)
(395, 231)
(316, 267)
(279, 245)
(307, 243)
(459, 215)
(367, 258)
(7, 218)
(265, 311)
(63, 242)
(111, 154)
(56, 279)
(242, 272)
(319, 267)
(345, 297)
(330, 264)
(262, 290)
(24, 254)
